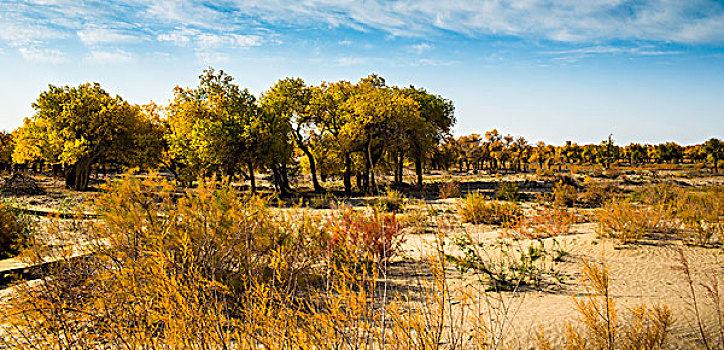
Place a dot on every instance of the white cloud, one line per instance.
(352, 61)
(692, 21)
(209, 40)
(580, 21)
(420, 48)
(20, 34)
(95, 35)
(212, 57)
(180, 36)
(572, 55)
(110, 57)
(43, 55)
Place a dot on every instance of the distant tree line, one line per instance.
(495, 152)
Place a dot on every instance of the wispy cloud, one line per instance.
(576, 54)
(352, 61)
(43, 55)
(207, 26)
(420, 48)
(110, 57)
(97, 34)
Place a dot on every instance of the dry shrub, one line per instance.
(323, 201)
(702, 217)
(474, 208)
(374, 237)
(161, 270)
(597, 193)
(508, 191)
(15, 230)
(208, 269)
(450, 190)
(710, 337)
(564, 195)
(392, 201)
(628, 222)
(645, 328)
(543, 223)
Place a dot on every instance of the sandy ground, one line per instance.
(647, 273)
(644, 273)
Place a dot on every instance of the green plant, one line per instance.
(474, 208)
(508, 264)
(508, 191)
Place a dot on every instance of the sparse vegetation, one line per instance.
(508, 264)
(600, 325)
(15, 230)
(628, 222)
(564, 195)
(476, 209)
(450, 190)
(508, 191)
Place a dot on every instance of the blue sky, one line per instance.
(646, 71)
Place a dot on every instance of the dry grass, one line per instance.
(543, 223)
(628, 222)
(600, 327)
(476, 209)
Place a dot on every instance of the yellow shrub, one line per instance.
(474, 208)
(628, 222)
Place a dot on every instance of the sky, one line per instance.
(645, 71)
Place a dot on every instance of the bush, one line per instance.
(628, 222)
(324, 201)
(360, 237)
(701, 217)
(450, 190)
(393, 201)
(475, 209)
(543, 223)
(508, 191)
(596, 194)
(15, 230)
(564, 195)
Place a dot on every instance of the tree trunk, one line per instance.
(252, 179)
(78, 175)
(312, 164)
(370, 176)
(418, 169)
(347, 174)
(399, 168)
(287, 189)
(279, 181)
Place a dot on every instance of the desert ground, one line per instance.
(648, 271)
